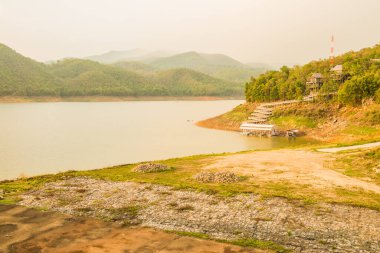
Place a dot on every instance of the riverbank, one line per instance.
(284, 198)
(16, 99)
(328, 123)
(231, 120)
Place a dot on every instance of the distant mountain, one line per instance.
(128, 55)
(85, 77)
(216, 65)
(23, 76)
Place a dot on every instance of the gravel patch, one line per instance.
(218, 177)
(303, 228)
(151, 167)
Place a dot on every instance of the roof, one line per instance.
(337, 68)
(317, 75)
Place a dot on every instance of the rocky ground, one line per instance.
(24, 230)
(302, 228)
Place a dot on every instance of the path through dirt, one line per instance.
(296, 166)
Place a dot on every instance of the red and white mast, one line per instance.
(332, 51)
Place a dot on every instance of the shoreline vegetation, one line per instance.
(329, 123)
(24, 99)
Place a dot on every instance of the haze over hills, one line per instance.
(217, 65)
(22, 76)
(136, 54)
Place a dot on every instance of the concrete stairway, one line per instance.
(262, 113)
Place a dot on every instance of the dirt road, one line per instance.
(335, 150)
(296, 166)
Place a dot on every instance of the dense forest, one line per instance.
(21, 76)
(361, 68)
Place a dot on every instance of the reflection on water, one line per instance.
(39, 138)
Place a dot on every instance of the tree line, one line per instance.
(361, 68)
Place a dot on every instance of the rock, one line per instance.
(1, 194)
(218, 177)
(150, 167)
(298, 227)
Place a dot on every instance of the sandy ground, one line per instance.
(335, 150)
(32, 231)
(295, 166)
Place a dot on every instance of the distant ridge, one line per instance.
(217, 65)
(127, 55)
(22, 76)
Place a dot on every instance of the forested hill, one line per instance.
(362, 69)
(216, 65)
(21, 76)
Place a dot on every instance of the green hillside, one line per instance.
(85, 77)
(216, 65)
(362, 79)
(21, 76)
(190, 82)
(135, 66)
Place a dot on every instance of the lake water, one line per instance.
(40, 138)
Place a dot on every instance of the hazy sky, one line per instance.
(271, 31)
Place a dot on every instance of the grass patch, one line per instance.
(190, 234)
(254, 243)
(359, 164)
(127, 215)
(12, 188)
(360, 130)
(183, 178)
(230, 120)
(293, 121)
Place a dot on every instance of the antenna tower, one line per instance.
(332, 51)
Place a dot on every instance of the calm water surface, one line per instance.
(40, 138)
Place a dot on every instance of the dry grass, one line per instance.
(230, 120)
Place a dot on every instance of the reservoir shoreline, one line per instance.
(25, 99)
